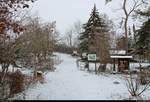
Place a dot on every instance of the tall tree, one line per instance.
(143, 36)
(94, 38)
(87, 36)
(128, 11)
(9, 25)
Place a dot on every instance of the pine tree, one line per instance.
(94, 25)
(145, 13)
(143, 36)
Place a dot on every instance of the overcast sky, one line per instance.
(66, 12)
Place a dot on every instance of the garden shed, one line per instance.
(122, 62)
(120, 59)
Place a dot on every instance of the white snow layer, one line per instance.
(70, 83)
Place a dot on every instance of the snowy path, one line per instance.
(68, 82)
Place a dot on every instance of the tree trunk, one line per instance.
(126, 25)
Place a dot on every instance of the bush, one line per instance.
(17, 82)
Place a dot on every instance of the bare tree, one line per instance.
(136, 5)
(36, 44)
(103, 50)
(77, 28)
(69, 37)
(9, 25)
(72, 35)
(128, 11)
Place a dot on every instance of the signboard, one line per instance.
(91, 57)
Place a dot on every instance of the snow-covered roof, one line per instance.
(117, 52)
(121, 57)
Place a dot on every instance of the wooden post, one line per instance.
(13, 69)
(119, 65)
(95, 68)
(114, 67)
(88, 66)
(128, 64)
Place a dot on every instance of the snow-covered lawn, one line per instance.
(68, 82)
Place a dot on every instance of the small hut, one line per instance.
(120, 58)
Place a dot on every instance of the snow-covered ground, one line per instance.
(68, 82)
(24, 70)
(136, 65)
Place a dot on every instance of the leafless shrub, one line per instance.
(134, 86)
(17, 82)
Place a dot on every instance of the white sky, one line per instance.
(66, 12)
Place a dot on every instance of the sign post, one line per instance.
(92, 57)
